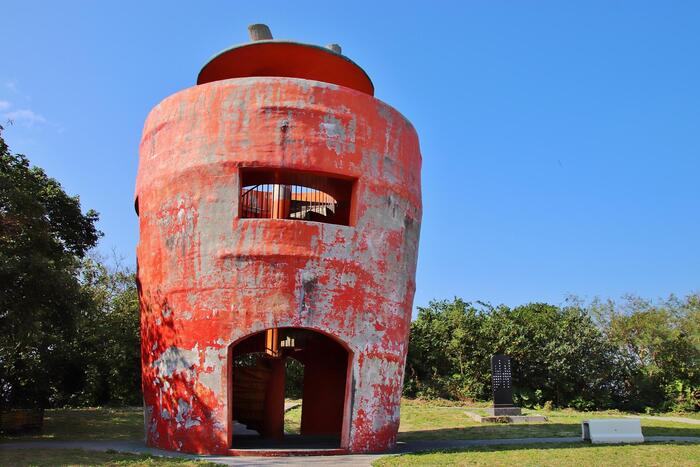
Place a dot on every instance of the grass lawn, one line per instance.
(419, 420)
(556, 455)
(292, 421)
(427, 420)
(65, 457)
(88, 424)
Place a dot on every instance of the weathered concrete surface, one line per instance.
(209, 278)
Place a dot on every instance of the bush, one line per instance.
(630, 355)
(681, 397)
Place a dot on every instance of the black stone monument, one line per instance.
(501, 381)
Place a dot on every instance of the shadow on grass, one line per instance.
(495, 431)
(537, 446)
(505, 448)
(535, 430)
(53, 457)
(123, 424)
(691, 430)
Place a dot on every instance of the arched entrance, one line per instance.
(258, 366)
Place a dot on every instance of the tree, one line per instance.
(558, 354)
(659, 344)
(43, 236)
(108, 337)
(447, 355)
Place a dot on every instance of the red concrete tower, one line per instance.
(279, 208)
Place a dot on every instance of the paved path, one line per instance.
(291, 405)
(344, 460)
(692, 421)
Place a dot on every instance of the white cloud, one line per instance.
(9, 113)
(25, 116)
(12, 86)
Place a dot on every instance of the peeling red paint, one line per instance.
(209, 278)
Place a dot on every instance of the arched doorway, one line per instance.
(260, 365)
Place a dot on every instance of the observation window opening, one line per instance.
(269, 194)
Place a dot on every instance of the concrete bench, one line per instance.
(612, 430)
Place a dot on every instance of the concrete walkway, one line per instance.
(343, 460)
(291, 405)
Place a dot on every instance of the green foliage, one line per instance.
(602, 355)
(659, 345)
(70, 324)
(448, 354)
(43, 236)
(452, 343)
(294, 379)
(682, 396)
(109, 338)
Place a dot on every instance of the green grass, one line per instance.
(425, 420)
(65, 457)
(88, 424)
(292, 421)
(555, 455)
(419, 420)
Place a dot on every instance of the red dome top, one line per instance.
(286, 59)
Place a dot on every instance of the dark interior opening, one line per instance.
(277, 194)
(262, 367)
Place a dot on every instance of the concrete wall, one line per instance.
(208, 278)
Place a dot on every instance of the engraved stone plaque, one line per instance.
(501, 381)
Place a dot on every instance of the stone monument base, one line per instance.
(506, 418)
(504, 411)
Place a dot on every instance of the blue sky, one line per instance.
(560, 140)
